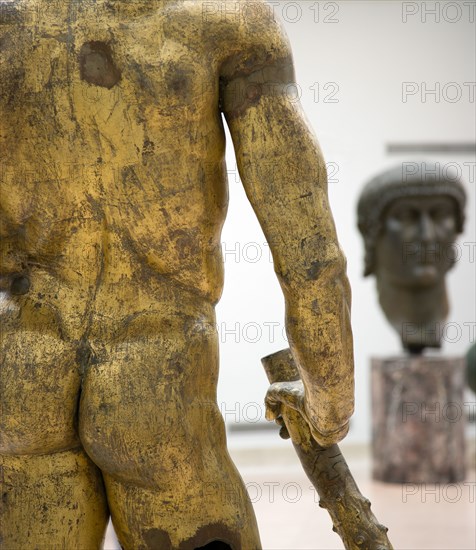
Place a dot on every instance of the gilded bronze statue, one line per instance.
(113, 196)
(409, 217)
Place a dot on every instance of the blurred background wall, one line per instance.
(375, 77)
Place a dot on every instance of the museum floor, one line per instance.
(289, 518)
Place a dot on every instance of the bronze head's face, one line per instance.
(415, 247)
(410, 223)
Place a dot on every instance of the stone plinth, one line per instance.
(418, 426)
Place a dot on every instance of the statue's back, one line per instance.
(110, 128)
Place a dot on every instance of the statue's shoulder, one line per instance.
(244, 34)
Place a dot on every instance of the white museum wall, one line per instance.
(359, 55)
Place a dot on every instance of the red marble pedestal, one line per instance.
(418, 426)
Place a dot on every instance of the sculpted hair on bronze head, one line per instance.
(409, 179)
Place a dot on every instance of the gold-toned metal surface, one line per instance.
(113, 195)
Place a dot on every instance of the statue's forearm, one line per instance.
(320, 337)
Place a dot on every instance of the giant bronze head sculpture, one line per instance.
(409, 217)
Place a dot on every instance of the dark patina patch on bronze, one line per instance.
(216, 535)
(156, 539)
(20, 285)
(97, 66)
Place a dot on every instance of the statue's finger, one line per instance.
(288, 395)
(272, 411)
(283, 433)
(275, 391)
(280, 421)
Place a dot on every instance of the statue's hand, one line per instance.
(281, 395)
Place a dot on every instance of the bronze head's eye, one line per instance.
(406, 215)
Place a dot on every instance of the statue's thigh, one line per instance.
(39, 389)
(149, 420)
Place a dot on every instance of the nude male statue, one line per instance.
(113, 195)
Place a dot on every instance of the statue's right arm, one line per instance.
(285, 179)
